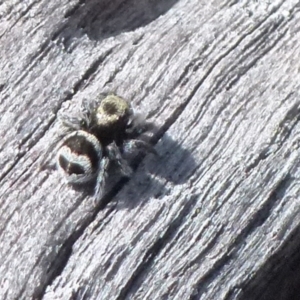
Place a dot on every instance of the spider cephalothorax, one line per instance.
(105, 131)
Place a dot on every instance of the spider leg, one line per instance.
(138, 125)
(71, 123)
(82, 120)
(101, 177)
(115, 155)
(130, 146)
(88, 106)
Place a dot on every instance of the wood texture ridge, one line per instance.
(216, 216)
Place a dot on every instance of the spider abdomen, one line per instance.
(79, 156)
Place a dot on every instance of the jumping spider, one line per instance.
(106, 130)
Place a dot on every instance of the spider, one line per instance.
(105, 133)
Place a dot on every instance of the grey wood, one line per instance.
(216, 216)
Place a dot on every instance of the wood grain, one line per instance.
(217, 215)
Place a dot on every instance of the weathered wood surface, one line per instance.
(217, 216)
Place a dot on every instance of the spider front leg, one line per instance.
(101, 177)
(70, 123)
(137, 125)
(115, 155)
(88, 107)
(134, 145)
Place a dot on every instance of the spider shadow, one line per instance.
(103, 19)
(155, 176)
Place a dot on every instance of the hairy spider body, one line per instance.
(106, 129)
